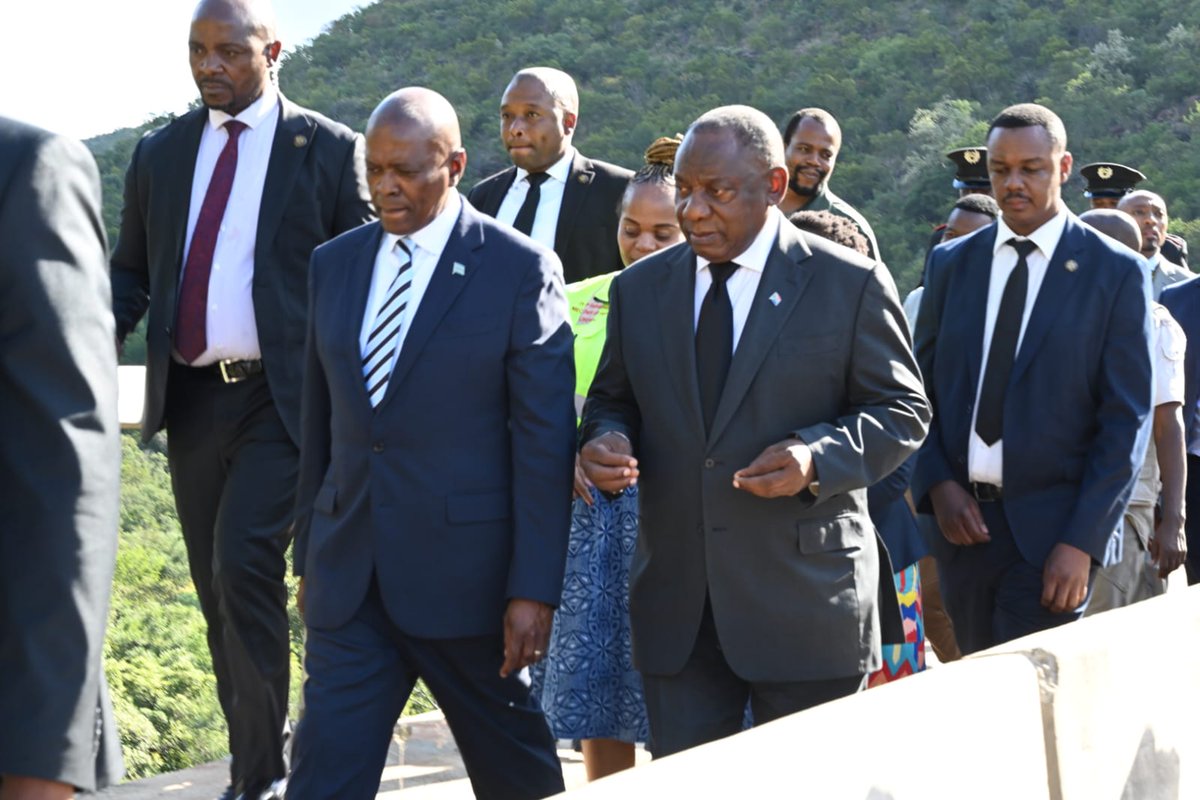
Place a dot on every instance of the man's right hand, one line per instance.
(608, 463)
(958, 515)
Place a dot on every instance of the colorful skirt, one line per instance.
(905, 659)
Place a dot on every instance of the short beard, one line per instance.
(805, 191)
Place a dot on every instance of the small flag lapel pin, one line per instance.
(775, 298)
(458, 269)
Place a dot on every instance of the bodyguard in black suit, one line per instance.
(223, 208)
(553, 193)
(59, 469)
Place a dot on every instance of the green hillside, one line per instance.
(907, 80)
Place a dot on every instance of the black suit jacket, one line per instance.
(315, 189)
(586, 236)
(60, 462)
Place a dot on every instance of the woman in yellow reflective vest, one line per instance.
(590, 690)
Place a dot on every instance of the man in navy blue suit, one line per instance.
(438, 428)
(1183, 301)
(1033, 338)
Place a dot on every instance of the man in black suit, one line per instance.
(788, 386)
(552, 192)
(435, 472)
(59, 469)
(223, 208)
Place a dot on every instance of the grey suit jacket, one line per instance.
(315, 189)
(60, 462)
(825, 354)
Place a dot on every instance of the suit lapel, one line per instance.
(177, 175)
(975, 271)
(293, 137)
(578, 179)
(785, 276)
(676, 319)
(354, 306)
(1052, 296)
(444, 287)
(493, 195)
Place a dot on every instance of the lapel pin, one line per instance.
(1072, 265)
(775, 298)
(300, 140)
(584, 178)
(458, 269)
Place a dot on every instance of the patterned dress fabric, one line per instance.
(589, 688)
(900, 660)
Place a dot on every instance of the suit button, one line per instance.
(377, 447)
(709, 463)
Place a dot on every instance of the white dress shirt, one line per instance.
(986, 464)
(426, 245)
(743, 283)
(232, 330)
(545, 221)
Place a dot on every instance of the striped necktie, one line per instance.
(385, 331)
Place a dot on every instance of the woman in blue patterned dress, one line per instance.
(590, 690)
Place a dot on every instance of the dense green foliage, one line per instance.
(908, 81)
(155, 652)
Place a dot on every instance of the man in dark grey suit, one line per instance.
(59, 469)
(223, 208)
(553, 193)
(754, 381)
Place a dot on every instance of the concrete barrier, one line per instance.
(1108, 707)
(1123, 708)
(878, 745)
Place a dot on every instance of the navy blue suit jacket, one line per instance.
(455, 491)
(1077, 408)
(1183, 301)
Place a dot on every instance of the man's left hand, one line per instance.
(1065, 578)
(1168, 545)
(782, 470)
(526, 634)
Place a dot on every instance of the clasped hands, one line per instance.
(782, 470)
(1065, 573)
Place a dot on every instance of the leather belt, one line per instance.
(231, 370)
(986, 492)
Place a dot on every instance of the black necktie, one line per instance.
(714, 340)
(989, 422)
(525, 217)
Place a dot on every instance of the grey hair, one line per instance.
(753, 130)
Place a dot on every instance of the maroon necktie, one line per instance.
(191, 335)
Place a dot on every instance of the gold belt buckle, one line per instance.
(225, 376)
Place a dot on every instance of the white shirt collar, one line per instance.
(433, 237)
(560, 170)
(253, 114)
(755, 256)
(1046, 237)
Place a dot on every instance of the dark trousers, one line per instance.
(706, 700)
(233, 469)
(359, 678)
(1192, 509)
(992, 593)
